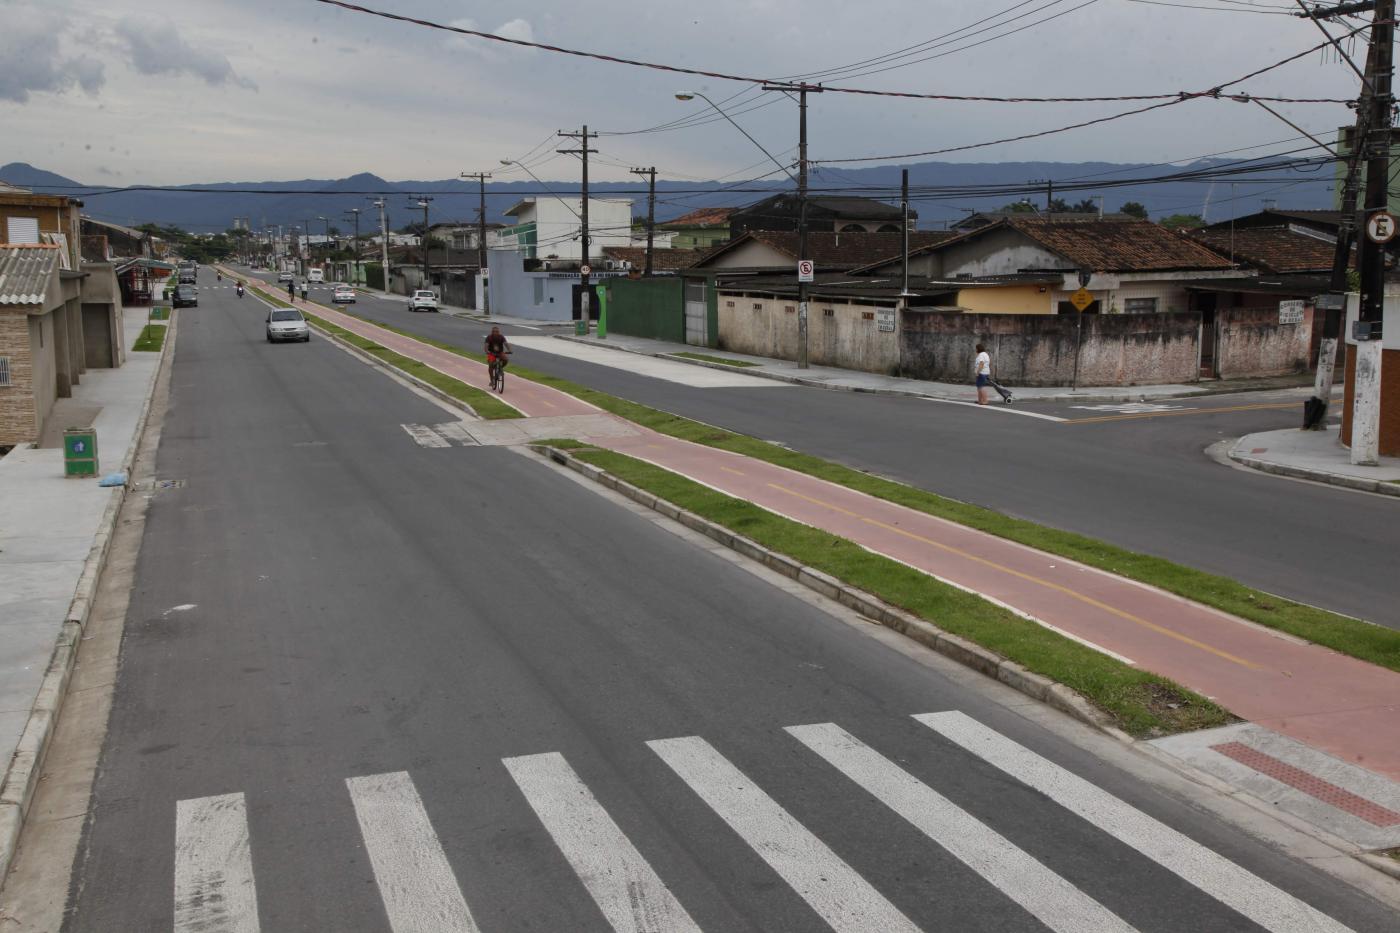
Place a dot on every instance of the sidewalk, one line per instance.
(1315, 455)
(1338, 709)
(831, 377)
(52, 536)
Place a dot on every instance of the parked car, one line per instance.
(287, 324)
(315, 275)
(285, 277)
(186, 296)
(423, 300)
(343, 295)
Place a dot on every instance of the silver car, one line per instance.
(287, 324)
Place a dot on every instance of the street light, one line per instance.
(691, 95)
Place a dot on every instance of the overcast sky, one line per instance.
(150, 91)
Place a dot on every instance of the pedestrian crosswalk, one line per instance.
(215, 889)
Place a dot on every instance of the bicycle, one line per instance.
(497, 368)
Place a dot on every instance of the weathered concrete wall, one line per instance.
(1039, 349)
(838, 333)
(1253, 343)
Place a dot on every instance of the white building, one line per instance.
(548, 228)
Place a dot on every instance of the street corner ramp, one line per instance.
(1343, 798)
(514, 431)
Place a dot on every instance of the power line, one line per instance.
(749, 79)
(1243, 8)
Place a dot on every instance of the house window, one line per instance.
(1140, 305)
(21, 230)
(539, 291)
(4, 370)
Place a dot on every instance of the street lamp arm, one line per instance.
(688, 95)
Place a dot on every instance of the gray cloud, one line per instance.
(155, 48)
(31, 60)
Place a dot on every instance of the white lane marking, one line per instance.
(183, 607)
(419, 890)
(1004, 409)
(626, 889)
(1135, 408)
(701, 377)
(425, 436)
(1255, 898)
(1048, 897)
(214, 889)
(842, 898)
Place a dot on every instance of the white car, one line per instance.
(423, 300)
(287, 324)
(343, 295)
(285, 277)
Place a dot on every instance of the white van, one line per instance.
(315, 275)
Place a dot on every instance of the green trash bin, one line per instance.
(80, 452)
(581, 328)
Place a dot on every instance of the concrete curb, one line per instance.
(1379, 487)
(1125, 395)
(22, 777)
(925, 633)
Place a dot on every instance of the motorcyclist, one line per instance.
(240, 288)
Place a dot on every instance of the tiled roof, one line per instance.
(1271, 249)
(1118, 246)
(836, 250)
(704, 217)
(25, 271)
(662, 260)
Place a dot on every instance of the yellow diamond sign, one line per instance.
(1081, 299)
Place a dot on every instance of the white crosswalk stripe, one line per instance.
(425, 436)
(214, 890)
(626, 889)
(838, 894)
(214, 887)
(415, 881)
(1255, 898)
(1051, 899)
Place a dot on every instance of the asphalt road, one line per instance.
(367, 685)
(1143, 483)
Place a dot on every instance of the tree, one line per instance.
(1183, 222)
(1085, 206)
(1134, 209)
(1059, 206)
(1018, 207)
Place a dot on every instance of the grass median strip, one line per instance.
(151, 339)
(1142, 704)
(1363, 640)
(480, 401)
(713, 359)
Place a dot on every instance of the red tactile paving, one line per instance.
(1310, 784)
(1336, 703)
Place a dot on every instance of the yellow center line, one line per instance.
(1161, 630)
(735, 472)
(1186, 411)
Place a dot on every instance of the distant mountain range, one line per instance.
(943, 192)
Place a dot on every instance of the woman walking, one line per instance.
(982, 369)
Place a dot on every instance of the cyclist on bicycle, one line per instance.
(497, 347)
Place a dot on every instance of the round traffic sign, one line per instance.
(584, 269)
(1381, 227)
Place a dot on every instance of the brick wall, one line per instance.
(18, 423)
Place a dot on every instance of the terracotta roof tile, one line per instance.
(704, 217)
(1119, 246)
(1271, 249)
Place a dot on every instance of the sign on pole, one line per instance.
(584, 269)
(806, 270)
(1081, 299)
(1381, 227)
(1290, 312)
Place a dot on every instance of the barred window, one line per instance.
(1140, 305)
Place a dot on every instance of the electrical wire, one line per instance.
(1216, 9)
(749, 79)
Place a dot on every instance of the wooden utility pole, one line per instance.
(651, 209)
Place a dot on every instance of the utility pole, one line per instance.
(1366, 391)
(383, 242)
(1333, 304)
(354, 212)
(423, 242)
(481, 233)
(801, 90)
(651, 208)
(904, 227)
(582, 151)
